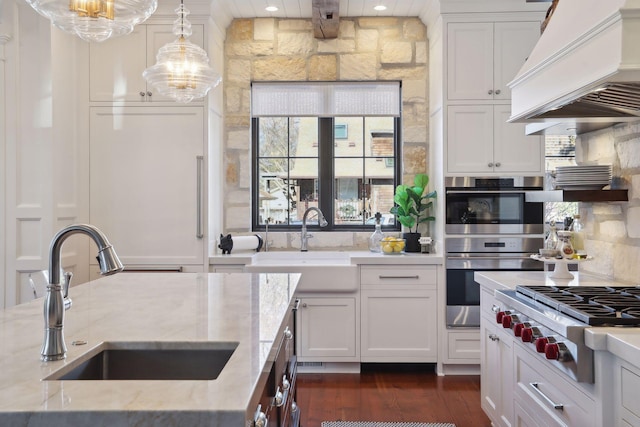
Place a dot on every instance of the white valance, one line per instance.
(325, 99)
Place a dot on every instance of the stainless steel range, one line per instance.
(551, 320)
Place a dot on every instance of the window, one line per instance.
(300, 163)
(559, 151)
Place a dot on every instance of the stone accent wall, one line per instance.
(367, 49)
(613, 229)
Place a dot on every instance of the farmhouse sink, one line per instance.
(322, 271)
(150, 361)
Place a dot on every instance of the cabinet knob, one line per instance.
(260, 418)
(287, 333)
(498, 164)
(494, 337)
(149, 93)
(490, 165)
(490, 92)
(304, 304)
(498, 91)
(142, 93)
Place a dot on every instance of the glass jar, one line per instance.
(551, 242)
(377, 236)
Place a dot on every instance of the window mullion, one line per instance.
(326, 168)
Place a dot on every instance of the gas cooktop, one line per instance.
(591, 305)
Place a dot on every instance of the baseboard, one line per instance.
(328, 368)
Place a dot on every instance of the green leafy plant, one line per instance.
(412, 205)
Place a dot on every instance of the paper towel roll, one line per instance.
(246, 243)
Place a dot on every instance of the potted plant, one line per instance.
(411, 209)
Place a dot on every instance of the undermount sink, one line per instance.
(150, 361)
(321, 271)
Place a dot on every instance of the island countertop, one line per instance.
(146, 307)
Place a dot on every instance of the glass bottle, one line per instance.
(551, 242)
(577, 238)
(377, 236)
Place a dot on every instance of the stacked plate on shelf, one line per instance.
(586, 177)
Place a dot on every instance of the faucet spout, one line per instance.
(304, 236)
(54, 347)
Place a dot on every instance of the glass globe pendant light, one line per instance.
(182, 70)
(95, 20)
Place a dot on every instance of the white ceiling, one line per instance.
(302, 8)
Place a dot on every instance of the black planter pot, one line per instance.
(412, 242)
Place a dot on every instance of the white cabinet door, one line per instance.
(326, 330)
(490, 384)
(483, 57)
(479, 140)
(513, 42)
(398, 326)
(144, 182)
(116, 65)
(470, 138)
(513, 151)
(470, 61)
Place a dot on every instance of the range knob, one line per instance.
(500, 315)
(519, 327)
(541, 343)
(529, 334)
(557, 351)
(509, 320)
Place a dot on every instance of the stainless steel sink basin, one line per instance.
(150, 361)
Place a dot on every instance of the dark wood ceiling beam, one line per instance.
(325, 18)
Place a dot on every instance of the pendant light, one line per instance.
(95, 20)
(182, 69)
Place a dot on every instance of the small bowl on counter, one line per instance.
(392, 246)
(549, 253)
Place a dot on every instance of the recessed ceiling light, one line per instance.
(271, 8)
(380, 7)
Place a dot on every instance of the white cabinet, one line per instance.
(399, 321)
(479, 140)
(327, 329)
(496, 364)
(116, 65)
(625, 389)
(483, 57)
(147, 183)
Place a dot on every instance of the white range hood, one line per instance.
(584, 72)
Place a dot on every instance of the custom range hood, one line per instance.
(584, 72)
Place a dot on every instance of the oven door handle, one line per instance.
(536, 387)
(485, 191)
(490, 258)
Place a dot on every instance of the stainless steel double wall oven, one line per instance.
(489, 226)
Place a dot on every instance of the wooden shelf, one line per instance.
(578, 196)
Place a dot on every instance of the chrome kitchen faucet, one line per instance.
(304, 236)
(53, 347)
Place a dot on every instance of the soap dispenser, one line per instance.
(377, 236)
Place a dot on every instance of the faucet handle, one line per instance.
(65, 294)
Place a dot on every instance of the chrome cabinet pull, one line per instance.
(490, 92)
(278, 399)
(498, 164)
(495, 308)
(142, 93)
(260, 418)
(287, 333)
(494, 337)
(536, 387)
(398, 277)
(490, 165)
(199, 195)
(498, 91)
(149, 93)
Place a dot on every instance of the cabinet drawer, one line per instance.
(464, 345)
(489, 305)
(578, 408)
(398, 275)
(630, 388)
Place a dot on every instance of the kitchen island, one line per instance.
(247, 310)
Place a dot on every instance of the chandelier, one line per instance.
(95, 20)
(182, 69)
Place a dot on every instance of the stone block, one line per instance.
(336, 46)
(634, 191)
(367, 40)
(626, 266)
(414, 29)
(264, 28)
(249, 49)
(603, 262)
(422, 55)
(415, 159)
(415, 134)
(376, 22)
(629, 154)
(233, 99)
(295, 25)
(612, 229)
(279, 68)
(358, 66)
(414, 90)
(633, 222)
(396, 53)
(295, 43)
(606, 209)
(240, 29)
(402, 73)
(231, 171)
(239, 71)
(347, 29)
(244, 162)
(237, 218)
(323, 68)
(239, 139)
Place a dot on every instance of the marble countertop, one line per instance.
(623, 342)
(149, 307)
(354, 257)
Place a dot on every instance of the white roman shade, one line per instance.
(325, 99)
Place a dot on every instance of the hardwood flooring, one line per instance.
(391, 395)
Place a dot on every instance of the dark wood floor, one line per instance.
(392, 395)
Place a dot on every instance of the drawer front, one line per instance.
(464, 345)
(399, 275)
(630, 389)
(539, 387)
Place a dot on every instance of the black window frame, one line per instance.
(326, 178)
